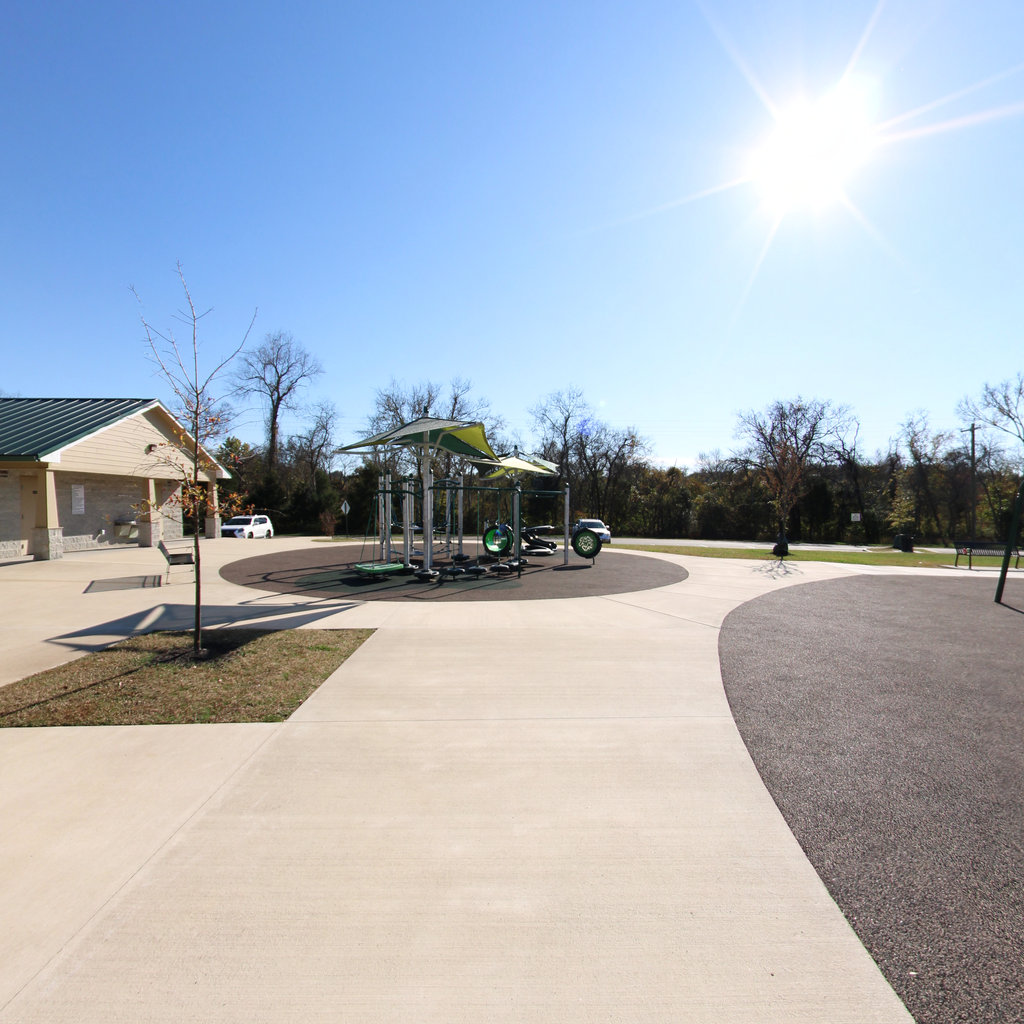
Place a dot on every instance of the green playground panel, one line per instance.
(378, 568)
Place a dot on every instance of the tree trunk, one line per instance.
(197, 631)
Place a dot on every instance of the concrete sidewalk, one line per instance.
(539, 811)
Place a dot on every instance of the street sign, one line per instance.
(345, 508)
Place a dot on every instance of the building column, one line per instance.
(48, 535)
(213, 509)
(150, 520)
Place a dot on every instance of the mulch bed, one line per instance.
(327, 570)
(885, 715)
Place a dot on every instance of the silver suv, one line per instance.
(247, 526)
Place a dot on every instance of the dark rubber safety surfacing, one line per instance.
(886, 717)
(327, 570)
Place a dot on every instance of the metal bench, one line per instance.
(179, 555)
(992, 548)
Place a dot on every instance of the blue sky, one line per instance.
(506, 193)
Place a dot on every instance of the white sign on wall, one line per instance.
(78, 499)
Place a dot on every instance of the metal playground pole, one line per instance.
(1011, 542)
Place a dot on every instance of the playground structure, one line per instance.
(504, 543)
(428, 436)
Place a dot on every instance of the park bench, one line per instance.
(993, 548)
(178, 555)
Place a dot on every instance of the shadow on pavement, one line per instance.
(124, 583)
(182, 616)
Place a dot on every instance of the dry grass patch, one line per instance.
(248, 675)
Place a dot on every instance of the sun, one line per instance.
(814, 150)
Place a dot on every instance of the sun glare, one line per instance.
(817, 147)
(814, 151)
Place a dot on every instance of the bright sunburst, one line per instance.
(816, 147)
(814, 150)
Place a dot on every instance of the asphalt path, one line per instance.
(885, 716)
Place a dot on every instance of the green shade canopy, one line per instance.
(509, 464)
(461, 437)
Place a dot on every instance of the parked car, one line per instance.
(247, 526)
(597, 526)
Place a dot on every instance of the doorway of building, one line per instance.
(29, 496)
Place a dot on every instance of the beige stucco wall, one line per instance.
(122, 450)
(11, 544)
(170, 525)
(108, 500)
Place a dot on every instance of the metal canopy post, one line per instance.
(517, 525)
(565, 546)
(1011, 541)
(462, 487)
(428, 507)
(407, 500)
(386, 520)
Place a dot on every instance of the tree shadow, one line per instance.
(124, 583)
(778, 568)
(182, 617)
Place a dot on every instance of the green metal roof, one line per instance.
(33, 428)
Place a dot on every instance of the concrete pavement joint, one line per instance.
(514, 718)
(660, 611)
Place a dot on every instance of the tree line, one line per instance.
(798, 470)
(798, 467)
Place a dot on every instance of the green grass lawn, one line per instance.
(248, 675)
(876, 556)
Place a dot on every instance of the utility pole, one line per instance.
(974, 489)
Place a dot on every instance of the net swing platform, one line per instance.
(377, 570)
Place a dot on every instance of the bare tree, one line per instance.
(275, 372)
(784, 440)
(314, 450)
(604, 456)
(557, 419)
(203, 414)
(398, 403)
(1001, 406)
(925, 448)
(593, 458)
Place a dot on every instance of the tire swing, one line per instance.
(497, 539)
(586, 544)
